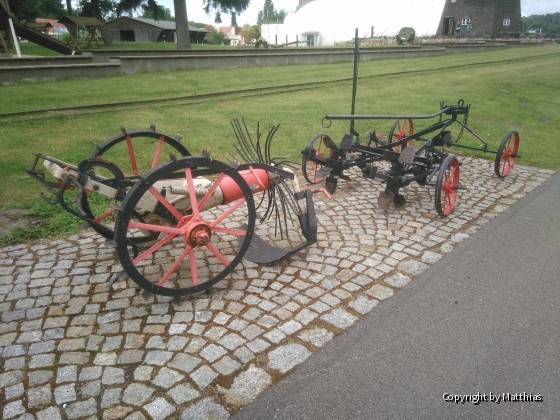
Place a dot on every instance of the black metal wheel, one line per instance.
(507, 154)
(118, 163)
(447, 185)
(400, 129)
(310, 169)
(203, 214)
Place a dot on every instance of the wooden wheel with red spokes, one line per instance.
(447, 185)
(119, 162)
(203, 214)
(507, 154)
(400, 129)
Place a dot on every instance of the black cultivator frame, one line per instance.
(420, 156)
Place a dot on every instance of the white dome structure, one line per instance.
(326, 22)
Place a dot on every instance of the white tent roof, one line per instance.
(336, 21)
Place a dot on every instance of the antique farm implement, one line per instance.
(420, 156)
(183, 225)
(406, 155)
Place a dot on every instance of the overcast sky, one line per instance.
(196, 13)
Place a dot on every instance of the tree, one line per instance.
(269, 15)
(69, 7)
(181, 19)
(250, 32)
(182, 25)
(151, 6)
(101, 9)
(28, 10)
(217, 38)
(548, 24)
(167, 15)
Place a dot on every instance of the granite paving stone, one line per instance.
(76, 344)
(159, 408)
(286, 357)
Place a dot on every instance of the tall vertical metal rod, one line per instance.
(12, 30)
(355, 79)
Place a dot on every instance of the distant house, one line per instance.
(232, 34)
(54, 28)
(130, 29)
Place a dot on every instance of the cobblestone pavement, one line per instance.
(75, 345)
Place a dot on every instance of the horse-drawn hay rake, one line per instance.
(181, 226)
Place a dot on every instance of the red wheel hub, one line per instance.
(196, 231)
(200, 235)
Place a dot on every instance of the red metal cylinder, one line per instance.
(256, 179)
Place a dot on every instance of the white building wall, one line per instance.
(333, 21)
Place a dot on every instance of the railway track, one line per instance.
(8, 117)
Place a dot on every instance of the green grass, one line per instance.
(29, 48)
(508, 89)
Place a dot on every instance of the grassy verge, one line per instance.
(508, 89)
(29, 48)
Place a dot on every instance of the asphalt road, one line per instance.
(483, 321)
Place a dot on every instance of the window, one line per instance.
(466, 21)
(507, 22)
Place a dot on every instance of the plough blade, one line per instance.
(324, 171)
(262, 252)
(385, 199)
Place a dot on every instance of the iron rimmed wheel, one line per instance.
(400, 129)
(507, 154)
(131, 153)
(447, 185)
(207, 214)
(320, 149)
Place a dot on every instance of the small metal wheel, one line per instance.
(203, 214)
(309, 168)
(447, 185)
(507, 154)
(400, 129)
(129, 154)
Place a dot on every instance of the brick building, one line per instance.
(481, 18)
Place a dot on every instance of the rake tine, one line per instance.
(258, 146)
(290, 200)
(268, 143)
(241, 153)
(236, 132)
(260, 203)
(285, 205)
(271, 195)
(242, 149)
(250, 138)
(246, 146)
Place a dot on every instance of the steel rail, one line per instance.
(198, 98)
